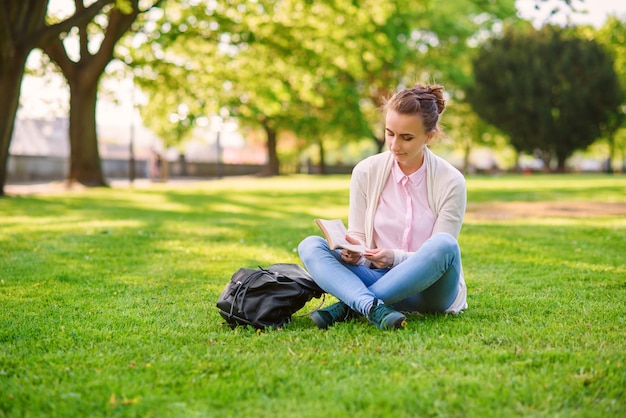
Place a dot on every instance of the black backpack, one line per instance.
(266, 297)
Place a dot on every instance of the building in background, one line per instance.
(40, 151)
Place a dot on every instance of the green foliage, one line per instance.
(549, 90)
(612, 35)
(107, 304)
(168, 52)
(319, 69)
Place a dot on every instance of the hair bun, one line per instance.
(437, 91)
(431, 92)
(426, 100)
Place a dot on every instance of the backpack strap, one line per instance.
(298, 274)
(241, 290)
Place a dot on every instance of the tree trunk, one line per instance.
(609, 165)
(10, 86)
(518, 165)
(164, 173)
(322, 166)
(546, 157)
(560, 167)
(83, 77)
(24, 28)
(467, 151)
(273, 165)
(85, 165)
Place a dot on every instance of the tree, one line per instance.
(319, 69)
(470, 131)
(24, 27)
(361, 52)
(612, 35)
(180, 60)
(386, 45)
(172, 112)
(83, 77)
(549, 90)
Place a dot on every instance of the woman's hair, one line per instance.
(426, 100)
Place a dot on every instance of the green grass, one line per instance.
(107, 308)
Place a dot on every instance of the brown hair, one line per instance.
(426, 100)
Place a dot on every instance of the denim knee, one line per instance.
(310, 244)
(446, 243)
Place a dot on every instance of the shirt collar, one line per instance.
(414, 178)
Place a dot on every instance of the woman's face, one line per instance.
(405, 137)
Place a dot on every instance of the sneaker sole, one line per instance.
(318, 320)
(395, 322)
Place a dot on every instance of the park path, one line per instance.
(559, 209)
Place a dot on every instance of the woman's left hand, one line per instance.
(380, 257)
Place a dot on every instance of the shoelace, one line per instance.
(338, 310)
(378, 314)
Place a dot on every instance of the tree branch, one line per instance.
(56, 51)
(117, 27)
(83, 35)
(47, 33)
(18, 20)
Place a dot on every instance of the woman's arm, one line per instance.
(451, 202)
(358, 204)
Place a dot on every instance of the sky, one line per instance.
(593, 12)
(48, 98)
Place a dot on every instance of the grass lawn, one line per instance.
(107, 308)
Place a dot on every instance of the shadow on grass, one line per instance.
(105, 233)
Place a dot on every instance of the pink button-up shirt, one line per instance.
(403, 220)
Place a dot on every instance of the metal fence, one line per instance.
(26, 168)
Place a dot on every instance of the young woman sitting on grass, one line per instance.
(407, 207)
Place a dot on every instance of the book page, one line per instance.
(335, 233)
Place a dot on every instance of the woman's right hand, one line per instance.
(350, 257)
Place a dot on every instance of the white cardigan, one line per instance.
(446, 197)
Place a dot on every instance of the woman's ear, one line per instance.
(430, 138)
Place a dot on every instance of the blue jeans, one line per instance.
(427, 281)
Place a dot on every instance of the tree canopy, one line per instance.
(319, 69)
(548, 89)
(612, 35)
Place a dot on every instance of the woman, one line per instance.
(407, 206)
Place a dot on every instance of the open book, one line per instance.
(335, 233)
